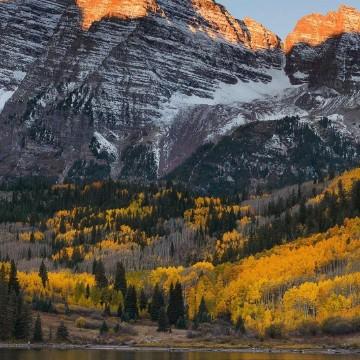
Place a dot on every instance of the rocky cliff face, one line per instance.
(123, 77)
(131, 89)
(324, 50)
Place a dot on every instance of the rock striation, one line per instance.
(131, 89)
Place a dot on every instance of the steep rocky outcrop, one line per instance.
(324, 50)
(131, 89)
(96, 10)
(124, 77)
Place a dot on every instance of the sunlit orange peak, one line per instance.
(95, 10)
(315, 29)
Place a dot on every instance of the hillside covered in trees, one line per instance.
(284, 263)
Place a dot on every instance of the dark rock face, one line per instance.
(323, 50)
(334, 64)
(265, 155)
(84, 96)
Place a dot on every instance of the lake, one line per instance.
(158, 355)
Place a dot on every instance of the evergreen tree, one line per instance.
(43, 274)
(23, 321)
(62, 333)
(120, 313)
(240, 325)
(157, 302)
(4, 332)
(131, 311)
(94, 265)
(143, 300)
(163, 321)
(203, 315)
(38, 334)
(100, 275)
(103, 328)
(13, 279)
(120, 279)
(29, 255)
(62, 226)
(87, 291)
(176, 307)
(12, 314)
(171, 309)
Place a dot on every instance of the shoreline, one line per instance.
(125, 348)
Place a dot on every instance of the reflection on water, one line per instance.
(157, 355)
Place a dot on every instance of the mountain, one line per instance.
(324, 50)
(135, 89)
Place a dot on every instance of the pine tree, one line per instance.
(100, 275)
(131, 311)
(13, 280)
(163, 321)
(103, 328)
(120, 279)
(4, 332)
(87, 291)
(29, 255)
(176, 308)
(240, 325)
(171, 309)
(94, 265)
(143, 300)
(120, 313)
(23, 321)
(43, 274)
(62, 333)
(12, 314)
(62, 226)
(157, 302)
(38, 334)
(203, 315)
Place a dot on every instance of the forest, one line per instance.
(281, 264)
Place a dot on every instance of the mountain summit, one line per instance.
(96, 10)
(315, 29)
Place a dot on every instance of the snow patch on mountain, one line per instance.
(103, 146)
(228, 94)
(5, 96)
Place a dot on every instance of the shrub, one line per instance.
(274, 331)
(337, 326)
(80, 323)
(355, 322)
(308, 328)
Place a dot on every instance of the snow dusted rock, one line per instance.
(130, 89)
(115, 68)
